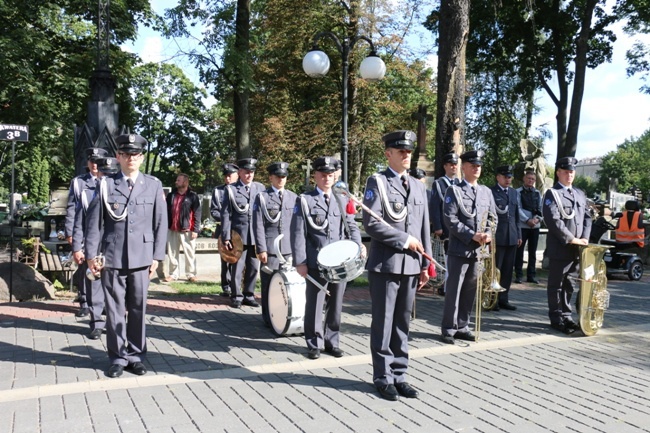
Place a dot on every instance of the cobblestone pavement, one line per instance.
(214, 369)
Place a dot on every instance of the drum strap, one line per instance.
(560, 208)
(343, 216)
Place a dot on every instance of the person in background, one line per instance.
(396, 265)
(230, 176)
(272, 214)
(630, 230)
(237, 215)
(82, 191)
(508, 234)
(568, 219)
(436, 203)
(184, 217)
(530, 219)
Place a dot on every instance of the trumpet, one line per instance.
(98, 264)
(487, 285)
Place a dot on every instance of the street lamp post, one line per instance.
(316, 64)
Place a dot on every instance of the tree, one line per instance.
(452, 23)
(628, 164)
(171, 114)
(47, 52)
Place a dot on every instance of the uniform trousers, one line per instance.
(226, 270)
(79, 277)
(460, 294)
(174, 242)
(505, 261)
(530, 237)
(247, 267)
(392, 303)
(561, 284)
(126, 302)
(95, 299)
(321, 335)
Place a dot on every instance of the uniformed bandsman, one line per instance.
(237, 215)
(508, 234)
(467, 207)
(436, 201)
(318, 221)
(127, 224)
(82, 191)
(396, 266)
(230, 176)
(272, 214)
(568, 221)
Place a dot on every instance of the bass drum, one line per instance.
(286, 301)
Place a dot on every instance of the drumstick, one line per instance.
(341, 187)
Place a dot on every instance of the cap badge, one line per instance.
(131, 138)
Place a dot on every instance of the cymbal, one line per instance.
(231, 256)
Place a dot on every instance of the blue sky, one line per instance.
(613, 109)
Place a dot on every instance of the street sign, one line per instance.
(14, 132)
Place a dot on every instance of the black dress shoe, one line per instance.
(507, 306)
(466, 336)
(518, 280)
(235, 303)
(563, 328)
(570, 324)
(313, 354)
(441, 291)
(137, 368)
(447, 339)
(250, 302)
(406, 390)
(83, 312)
(532, 280)
(95, 333)
(388, 392)
(494, 308)
(115, 370)
(335, 352)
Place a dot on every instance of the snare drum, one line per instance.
(341, 261)
(286, 302)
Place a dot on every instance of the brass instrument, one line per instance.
(98, 262)
(487, 284)
(231, 256)
(593, 299)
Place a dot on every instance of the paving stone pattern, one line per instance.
(215, 369)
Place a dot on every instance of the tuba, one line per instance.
(593, 298)
(487, 285)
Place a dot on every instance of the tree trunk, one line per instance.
(241, 93)
(450, 110)
(582, 48)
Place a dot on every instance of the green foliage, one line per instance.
(47, 55)
(589, 186)
(629, 164)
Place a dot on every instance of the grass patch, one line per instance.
(359, 282)
(198, 288)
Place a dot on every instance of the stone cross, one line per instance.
(422, 117)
